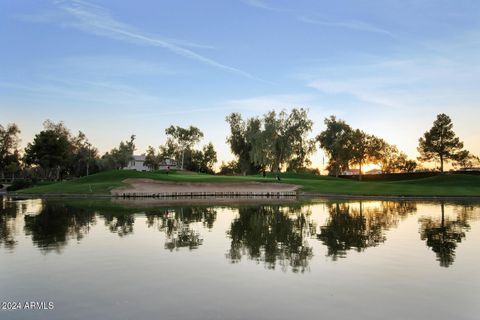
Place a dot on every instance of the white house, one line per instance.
(168, 164)
(138, 163)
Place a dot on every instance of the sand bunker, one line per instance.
(153, 186)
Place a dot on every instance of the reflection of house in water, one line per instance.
(138, 163)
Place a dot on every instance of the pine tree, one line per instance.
(440, 142)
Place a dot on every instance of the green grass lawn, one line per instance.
(445, 185)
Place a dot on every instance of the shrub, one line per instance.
(19, 184)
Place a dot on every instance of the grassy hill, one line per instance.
(444, 185)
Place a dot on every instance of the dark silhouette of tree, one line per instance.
(272, 235)
(443, 235)
(118, 158)
(391, 159)
(336, 140)
(176, 224)
(465, 159)
(9, 153)
(8, 213)
(201, 160)
(240, 141)
(350, 228)
(56, 151)
(57, 223)
(440, 142)
(82, 159)
(50, 151)
(346, 146)
(365, 148)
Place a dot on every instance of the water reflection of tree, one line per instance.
(443, 234)
(176, 224)
(120, 223)
(8, 213)
(357, 227)
(273, 235)
(56, 223)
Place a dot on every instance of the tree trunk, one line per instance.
(88, 165)
(183, 156)
(360, 171)
(443, 214)
(337, 169)
(441, 163)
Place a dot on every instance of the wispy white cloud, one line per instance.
(346, 24)
(420, 82)
(352, 25)
(259, 4)
(97, 20)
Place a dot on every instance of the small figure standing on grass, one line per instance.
(278, 177)
(168, 169)
(264, 174)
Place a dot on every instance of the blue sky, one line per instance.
(115, 68)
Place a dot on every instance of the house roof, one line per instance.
(139, 158)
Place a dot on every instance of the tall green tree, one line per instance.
(50, 150)
(273, 141)
(201, 160)
(184, 138)
(209, 158)
(118, 158)
(440, 142)
(284, 138)
(152, 160)
(9, 152)
(84, 155)
(365, 148)
(240, 141)
(336, 141)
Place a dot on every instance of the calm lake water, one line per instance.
(328, 259)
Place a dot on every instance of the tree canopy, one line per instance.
(183, 138)
(9, 152)
(440, 142)
(346, 146)
(272, 141)
(118, 158)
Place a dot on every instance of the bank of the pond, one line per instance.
(104, 184)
